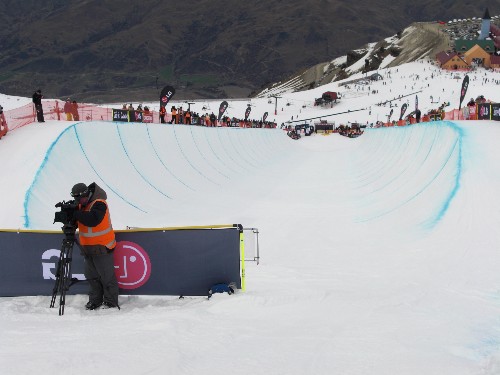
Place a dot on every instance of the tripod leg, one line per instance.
(63, 275)
(59, 273)
(66, 275)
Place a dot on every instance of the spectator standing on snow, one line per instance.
(74, 111)
(174, 115)
(181, 115)
(163, 112)
(3, 123)
(37, 100)
(68, 110)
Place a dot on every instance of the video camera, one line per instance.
(65, 215)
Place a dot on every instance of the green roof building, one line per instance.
(462, 45)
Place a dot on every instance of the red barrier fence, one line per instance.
(483, 111)
(54, 110)
(3, 125)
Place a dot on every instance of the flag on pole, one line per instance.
(463, 92)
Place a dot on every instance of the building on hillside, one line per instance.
(495, 35)
(477, 56)
(495, 62)
(451, 61)
(463, 45)
(485, 26)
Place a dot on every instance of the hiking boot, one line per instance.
(92, 305)
(108, 305)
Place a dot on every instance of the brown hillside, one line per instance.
(109, 50)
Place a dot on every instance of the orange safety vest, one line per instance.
(102, 234)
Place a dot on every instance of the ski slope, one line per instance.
(379, 254)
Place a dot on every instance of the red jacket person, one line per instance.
(98, 242)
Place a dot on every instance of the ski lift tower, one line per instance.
(275, 103)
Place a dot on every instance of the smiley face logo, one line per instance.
(132, 265)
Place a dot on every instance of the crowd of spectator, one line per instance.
(352, 131)
(180, 115)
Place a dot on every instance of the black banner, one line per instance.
(484, 111)
(247, 112)
(120, 115)
(166, 94)
(156, 262)
(416, 102)
(222, 109)
(403, 110)
(463, 92)
(124, 115)
(135, 116)
(495, 112)
(264, 117)
(390, 115)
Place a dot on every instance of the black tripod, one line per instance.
(63, 272)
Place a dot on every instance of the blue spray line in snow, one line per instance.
(217, 156)
(187, 159)
(29, 192)
(227, 153)
(240, 156)
(98, 175)
(390, 181)
(201, 153)
(27, 196)
(161, 161)
(249, 150)
(133, 165)
(441, 212)
(458, 175)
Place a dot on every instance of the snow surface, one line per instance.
(379, 255)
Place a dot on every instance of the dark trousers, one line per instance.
(39, 112)
(100, 271)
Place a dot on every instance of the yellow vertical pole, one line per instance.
(242, 260)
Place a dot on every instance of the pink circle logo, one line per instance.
(132, 265)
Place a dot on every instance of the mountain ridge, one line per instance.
(419, 40)
(115, 51)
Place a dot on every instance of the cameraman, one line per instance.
(98, 242)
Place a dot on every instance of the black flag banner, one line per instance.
(247, 112)
(463, 92)
(416, 102)
(403, 110)
(222, 109)
(166, 95)
(264, 117)
(390, 115)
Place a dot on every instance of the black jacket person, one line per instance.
(98, 242)
(37, 100)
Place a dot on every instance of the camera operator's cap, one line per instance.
(79, 190)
